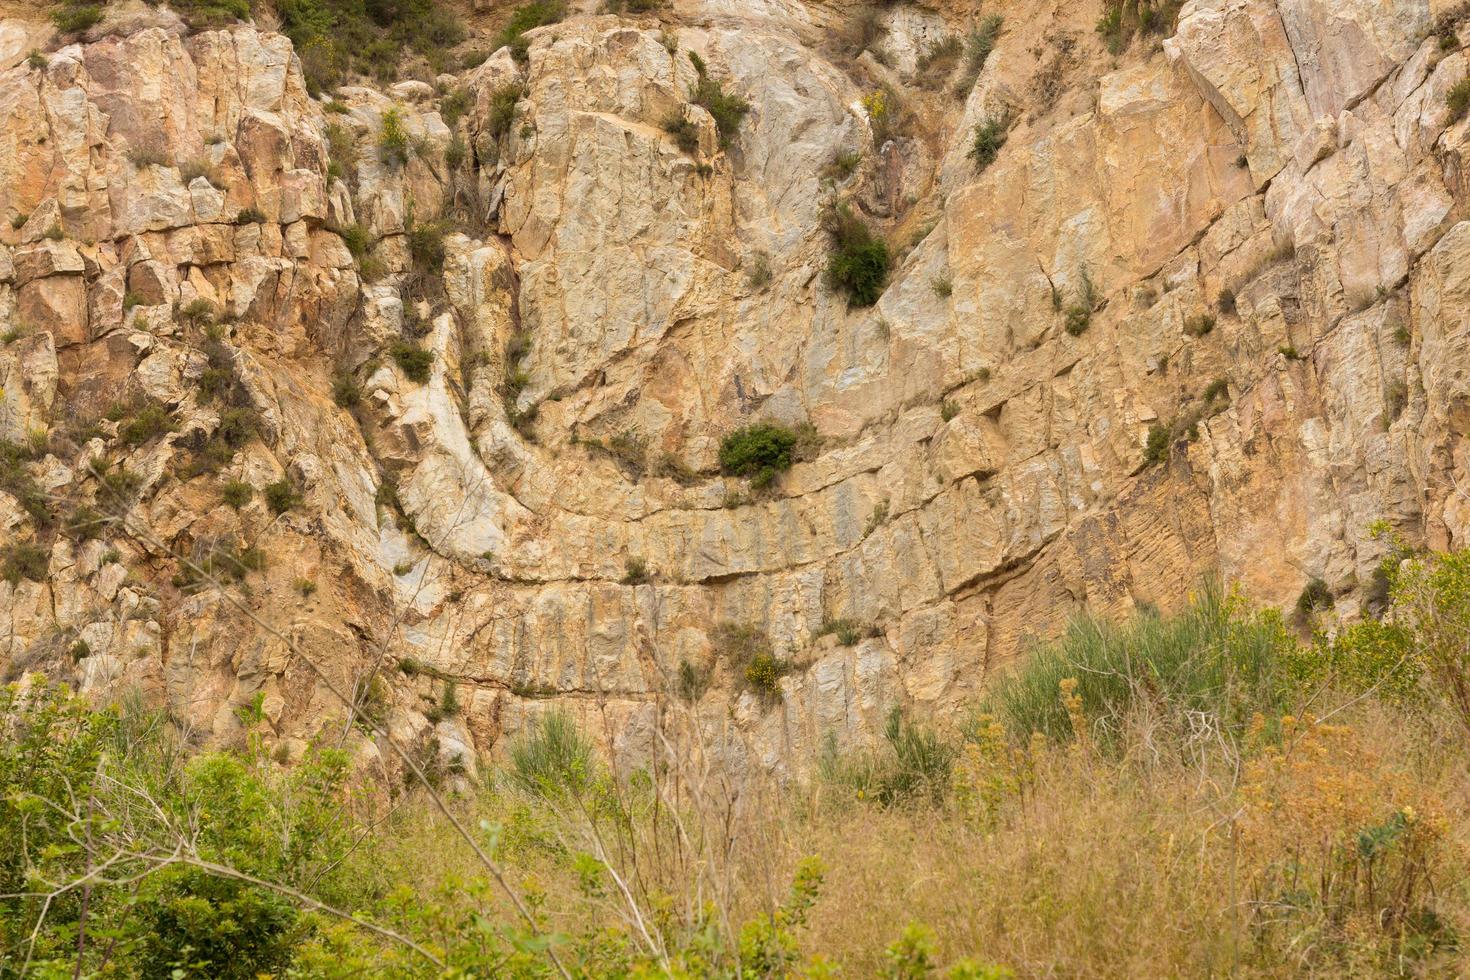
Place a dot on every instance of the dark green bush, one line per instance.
(237, 493)
(24, 560)
(684, 132)
(72, 18)
(988, 138)
(149, 422)
(1457, 99)
(1315, 595)
(757, 449)
(426, 246)
(219, 928)
(728, 110)
(539, 13)
(859, 260)
(1209, 661)
(281, 496)
(412, 360)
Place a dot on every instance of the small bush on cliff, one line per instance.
(552, 757)
(73, 18)
(412, 360)
(1457, 99)
(393, 142)
(149, 422)
(859, 260)
(338, 38)
(989, 137)
(758, 451)
(23, 560)
(539, 13)
(726, 109)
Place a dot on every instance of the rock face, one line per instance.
(1246, 241)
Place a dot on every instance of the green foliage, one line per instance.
(338, 38)
(977, 51)
(847, 631)
(149, 422)
(196, 924)
(236, 493)
(1457, 100)
(1315, 595)
(426, 246)
(913, 766)
(23, 560)
(346, 392)
(281, 496)
(760, 450)
(859, 261)
(526, 18)
(502, 114)
(726, 109)
(412, 360)
(636, 572)
(250, 216)
(988, 138)
(683, 130)
(16, 480)
(1156, 449)
(552, 757)
(73, 18)
(393, 141)
(1211, 660)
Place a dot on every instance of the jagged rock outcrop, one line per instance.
(1254, 231)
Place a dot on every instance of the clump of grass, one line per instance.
(1204, 662)
(526, 18)
(848, 631)
(237, 493)
(24, 560)
(986, 142)
(282, 496)
(1199, 325)
(1457, 100)
(683, 130)
(758, 451)
(552, 757)
(978, 47)
(725, 108)
(636, 571)
(1315, 595)
(412, 360)
(859, 260)
(150, 421)
(747, 650)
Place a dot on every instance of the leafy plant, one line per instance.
(858, 262)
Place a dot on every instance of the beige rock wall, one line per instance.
(1284, 167)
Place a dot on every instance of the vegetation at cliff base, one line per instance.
(336, 39)
(1208, 793)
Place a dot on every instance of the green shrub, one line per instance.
(726, 109)
(977, 51)
(1211, 661)
(635, 572)
(1457, 99)
(335, 38)
(72, 18)
(913, 766)
(1156, 449)
(151, 421)
(526, 18)
(426, 246)
(989, 136)
(237, 426)
(1315, 595)
(552, 757)
(455, 152)
(345, 390)
(412, 360)
(502, 114)
(756, 450)
(859, 260)
(393, 141)
(683, 130)
(237, 493)
(36, 61)
(221, 928)
(22, 560)
(250, 216)
(85, 523)
(281, 496)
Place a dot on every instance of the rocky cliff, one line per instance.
(430, 377)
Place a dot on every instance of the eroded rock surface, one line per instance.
(1254, 227)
